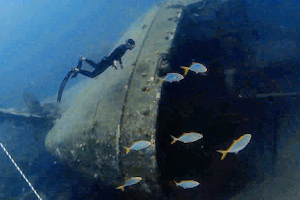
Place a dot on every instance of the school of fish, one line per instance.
(195, 67)
(186, 138)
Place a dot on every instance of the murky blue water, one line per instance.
(42, 40)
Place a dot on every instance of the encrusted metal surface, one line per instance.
(87, 136)
(141, 103)
(119, 107)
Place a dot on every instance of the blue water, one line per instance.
(42, 40)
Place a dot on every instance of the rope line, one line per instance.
(12, 160)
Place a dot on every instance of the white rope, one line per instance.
(12, 160)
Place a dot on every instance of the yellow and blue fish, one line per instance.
(187, 137)
(142, 144)
(195, 67)
(187, 184)
(129, 182)
(173, 77)
(236, 146)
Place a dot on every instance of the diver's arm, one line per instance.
(114, 65)
(121, 65)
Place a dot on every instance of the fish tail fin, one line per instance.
(127, 150)
(175, 183)
(186, 69)
(160, 80)
(174, 139)
(121, 188)
(224, 153)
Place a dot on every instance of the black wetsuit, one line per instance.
(105, 63)
(118, 53)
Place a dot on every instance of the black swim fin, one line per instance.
(74, 75)
(79, 66)
(63, 84)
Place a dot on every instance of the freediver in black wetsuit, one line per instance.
(106, 61)
(100, 67)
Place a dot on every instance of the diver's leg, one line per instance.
(102, 68)
(79, 66)
(91, 63)
(102, 65)
(99, 70)
(89, 74)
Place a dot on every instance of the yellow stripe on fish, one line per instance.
(187, 137)
(187, 184)
(142, 144)
(236, 146)
(129, 182)
(195, 67)
(173, 77)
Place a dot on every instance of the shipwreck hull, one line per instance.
(117, 109)
(240, 94)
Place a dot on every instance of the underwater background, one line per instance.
(42, 40)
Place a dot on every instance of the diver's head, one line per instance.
(130, 43)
